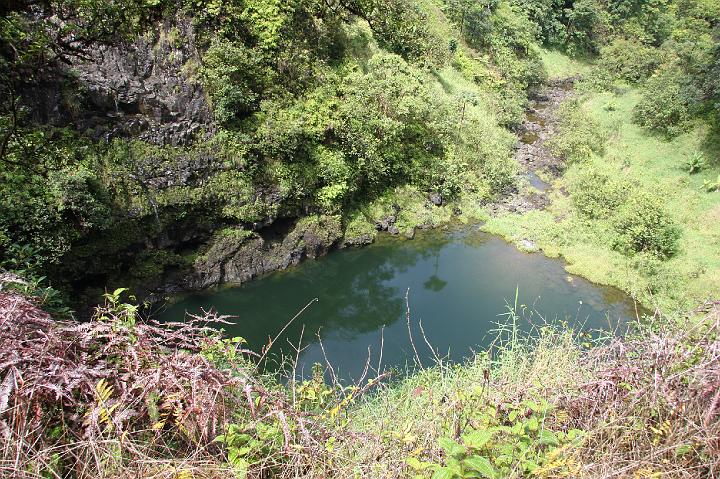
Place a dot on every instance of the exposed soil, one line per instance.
(533, 155)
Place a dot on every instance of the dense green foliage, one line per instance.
(323, 107)
(643, 226)
(319, 109)
(358, 109)
(672, 48)
(334, 116)
(579, 137)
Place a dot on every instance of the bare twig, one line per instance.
(409, 329)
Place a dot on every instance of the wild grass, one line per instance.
(117, 398)
(653, 164)
(558, 65)
(647, 405)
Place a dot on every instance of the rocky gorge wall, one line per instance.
(148, 91)
(190, 201)
(142, 90)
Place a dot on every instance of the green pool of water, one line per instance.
(459, 284)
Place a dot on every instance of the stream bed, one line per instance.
(459, 285)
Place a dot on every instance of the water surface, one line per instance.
(536, 182)
(459, 284)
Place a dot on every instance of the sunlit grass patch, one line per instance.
(558, 65)
(649, 163)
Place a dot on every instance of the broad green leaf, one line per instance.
(417, 464)
(451, 447)
(241, 468)
(548, 438)
(454, 465)
(481, 465)
(683, 450)
(442, 473)
(532, 424)
(530, 466)
(477, 439)
(118, 292)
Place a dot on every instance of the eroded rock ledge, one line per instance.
(235, 257)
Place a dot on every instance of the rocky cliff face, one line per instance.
(234, 260)
(143, 90)
(148, 90)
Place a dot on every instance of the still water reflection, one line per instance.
(459, 283)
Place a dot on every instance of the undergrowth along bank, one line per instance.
(178, 400)
(632, 209)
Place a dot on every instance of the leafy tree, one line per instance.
(628, 60)
(667, 103)
(586, 23)
(388, 123)
(643, 226)
(235, 79)
(597, 195)
(547, 15)
(579, 136)
(649, 21)
(399, 25)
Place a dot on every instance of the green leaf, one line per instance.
(548, 438)
(237, 456)
(532, 424)
(683, 450)
(241, 467)
(442, 473)
(118, 292)
(481, 465)
(451, 447)
(529, 466)
(540, 408)
(477, 439)
(417, 464)
(454, 465)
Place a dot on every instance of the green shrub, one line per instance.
(234, 78)
(579, 136)
(666, 103)
(49, 213)
(22, 270)
(695, 163)
(587, 23)
(389, 123)
(513, 438)
(643, 226)
(580, 26)
(399, 26)
(627, 60)
(598, 195)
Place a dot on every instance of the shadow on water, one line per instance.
(460, 284)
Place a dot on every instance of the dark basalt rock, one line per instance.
(233, 260)
(137, 90)
(143, 92)
(360, 240)
(386, 223)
